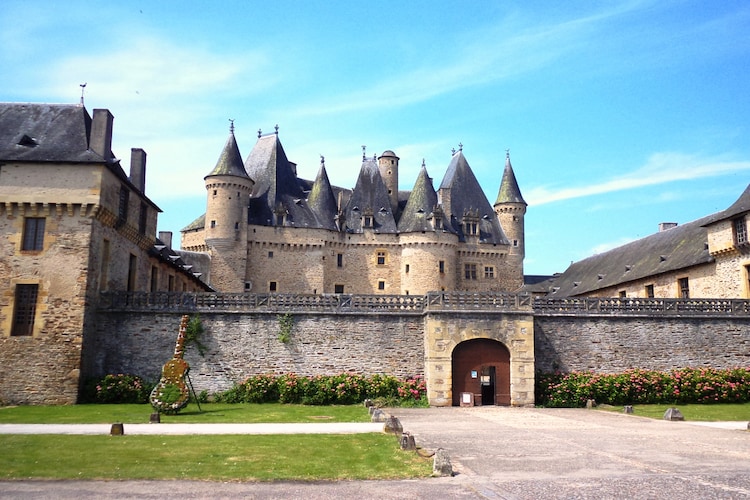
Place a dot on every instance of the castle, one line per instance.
(424, 282)
(269, 231)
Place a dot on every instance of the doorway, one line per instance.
(481, 367)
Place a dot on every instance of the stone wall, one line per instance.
(611, 344)
(240, 345)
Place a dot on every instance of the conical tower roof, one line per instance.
(321, 199)
(509, 191)
(370, 196)
(230, 160)
(419, 207)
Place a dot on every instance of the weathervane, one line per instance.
(83, 86)
(231, 125)
(364, 148)
(276, 128)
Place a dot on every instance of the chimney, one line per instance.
(138, 168)
(663, 226)
(100, 141)
(166, 238)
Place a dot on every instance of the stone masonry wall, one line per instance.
(614, 344)
(240, 345)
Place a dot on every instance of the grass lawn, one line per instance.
(696, 412)
(211, 413)
(213, 458)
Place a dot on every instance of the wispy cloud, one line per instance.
(660, 168)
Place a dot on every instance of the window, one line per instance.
(650, 291)
(248, 286)
(339, 260)
(381, 285)
(24, 309)
(272, 286)
(470, 271)
(338, 288)
(270, 254)
(623, 294)
(740, 231)
(367, 221)
(131, 272)
(214, 192)
(236, 226)
(441, 266)
(122, 212)
(33, 233)
(170, 283)
(489, 272)
(213, 224)
(154, 278)
(381, 257)
(438, 223)
(684, 288)
(515, 243)
(406, 269)
(143, 218)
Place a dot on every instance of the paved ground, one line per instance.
(503, 453)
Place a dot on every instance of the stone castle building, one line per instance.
(267, 230)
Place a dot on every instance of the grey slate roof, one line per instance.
(739, 207)
(466, 195)
(322, 201)
(420, 206)
(230, 160)
(370, 196)
(46, 133)
(509, 191)
(677, 248)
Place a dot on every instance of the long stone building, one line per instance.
(266, 229)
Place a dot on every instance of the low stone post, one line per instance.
(393, 425)
(441, 465)
(673, 414)
(407, 442)
(628, 409)
(378, 415)
(117, 430)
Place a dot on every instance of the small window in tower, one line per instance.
(381, 258)
(33, 233)
(338, 288)
(340, 260)
(407, 268)
(24, 309)
(515, 218)
(515, 243)
(214, 192)
(272, 286)
(248, 286)
(270, 254)
(236, 226)
(213, 224)
(441, 266)
(389, 172)
(381, 285)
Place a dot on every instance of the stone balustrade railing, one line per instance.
(418, 304)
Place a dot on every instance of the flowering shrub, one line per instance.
(345, 388)
(685, 385)
(119, 388)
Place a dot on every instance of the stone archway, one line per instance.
(481, 367)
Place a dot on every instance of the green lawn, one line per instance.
(213, 458)
(211, 413)
(696, 412)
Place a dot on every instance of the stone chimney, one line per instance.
(663, 226)
(100, 141)
(166, 238)
(138, 168)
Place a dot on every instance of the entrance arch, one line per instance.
(481, 367)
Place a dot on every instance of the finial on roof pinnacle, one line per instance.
(422, 162)
(374, 157)
(364, 149)
(231, 125)
(260, 132)
(460, 146)
(276, 129)
(453, 151)
(322, 161)
(507, 154)
(83, 86)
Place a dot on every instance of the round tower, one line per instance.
(228, 189)
(510, 209)
(388, 166)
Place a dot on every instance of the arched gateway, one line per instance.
(487, 353)
(481, 373)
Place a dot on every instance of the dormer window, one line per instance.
(367, 221)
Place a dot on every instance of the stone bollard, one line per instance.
(368, 403)
(590, 403)
(393, 425)
(117, 430)
(628, 409)
(441, 465)
(407, 442)
(673, 414)
(155, 418)
(378, 415)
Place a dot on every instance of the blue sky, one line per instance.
(618, 115)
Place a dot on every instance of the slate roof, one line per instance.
(370, 196)
(466, 195)
(46, 133)
(420, 206)
(322, 201)
(230, 160)
(509, 191)
(739, 207)
(676, 248)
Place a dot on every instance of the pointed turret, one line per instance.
(321, 199)
(421, 212)
(230, 160)
(510, 208)
(370, 205)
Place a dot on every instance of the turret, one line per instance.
(228, 190)
(388, 166)
(510, 209)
